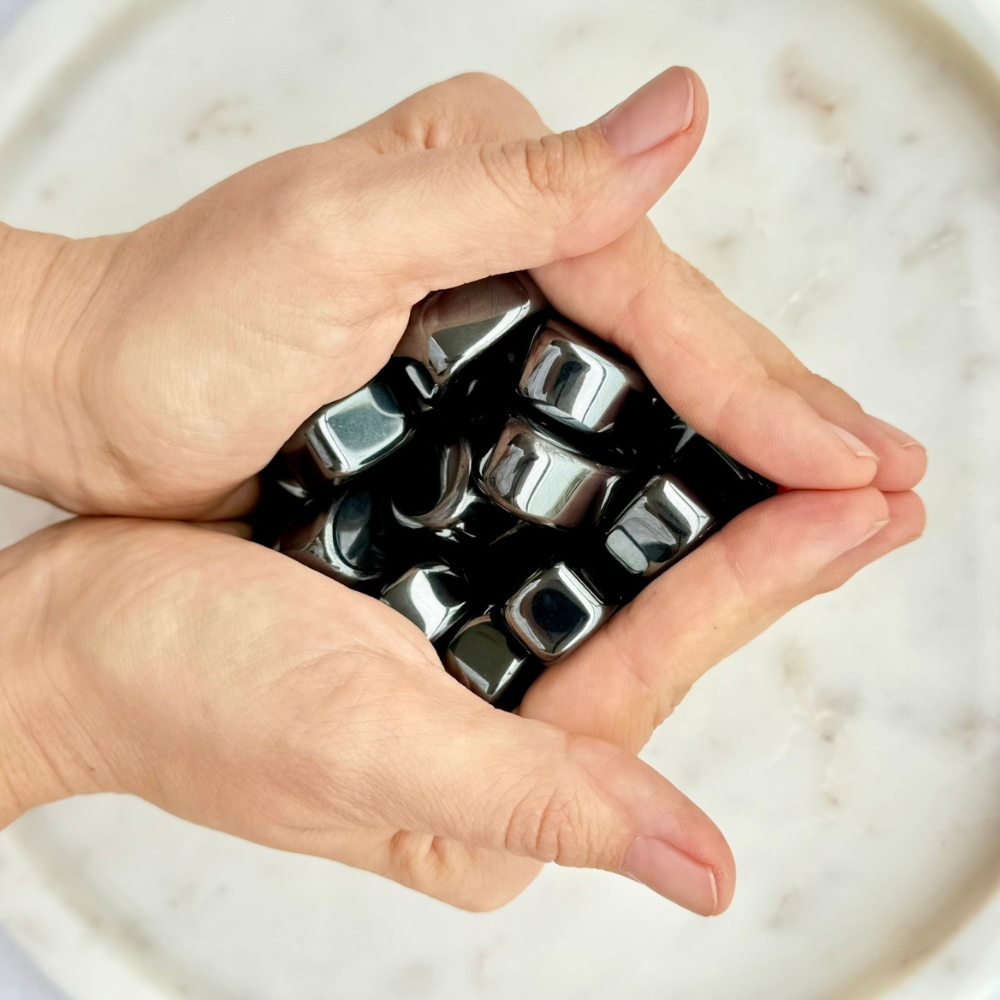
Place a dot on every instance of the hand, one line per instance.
(156, 372)
(239, 689)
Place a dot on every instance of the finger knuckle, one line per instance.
(545, 823)
(540, 177)
(465, 108)
(552, 166)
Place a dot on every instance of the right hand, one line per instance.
(155, 373)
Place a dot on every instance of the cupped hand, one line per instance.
(239, 689)
(158, 371)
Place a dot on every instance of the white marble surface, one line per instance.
(849, 195)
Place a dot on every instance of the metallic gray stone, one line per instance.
(437, 491)
(293, 487)
(431, 595)
(554, 612)
(574, 379)
(662, 524)
(348, 436)
(339, 538)
(451, 328)
(544, 480)
(487, 659)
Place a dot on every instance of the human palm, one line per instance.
(241, 690)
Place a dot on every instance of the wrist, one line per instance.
(47, 283)
(38, 714)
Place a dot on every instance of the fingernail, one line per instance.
(900, 437)
(671, 873)
(871, 532)
(855, 444)
(657, 111)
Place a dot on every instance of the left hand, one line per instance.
(239, 689)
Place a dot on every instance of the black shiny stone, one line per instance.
(577, 380)
(538, 477)
(488, 660)
(554, 611)
(431, 595)
(450, 329)
(344, 538)
(660, 526)
(435, 489)
(348, 436)
(281, 501)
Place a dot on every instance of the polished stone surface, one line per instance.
(450, 329)
(576, 381)
(349, 435)
(342, 539)
(488, 660)
(431, 595)
(554, 612)
(435, 489)
(662, 524)
(544, 480)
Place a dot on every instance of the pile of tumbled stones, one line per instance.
(506, 482)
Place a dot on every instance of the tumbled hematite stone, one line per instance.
(488, 660)
(660, 526)
(554, 611)
(431, 595)
(542, 479)
(435, 489)
(506, 482)
(348, 436)
(342, 538)
(452, 328)
(578, 381)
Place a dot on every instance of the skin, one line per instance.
(151, 375)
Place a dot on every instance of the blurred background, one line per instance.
(848, 195)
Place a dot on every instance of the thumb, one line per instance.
(459, 213)
(504, 783)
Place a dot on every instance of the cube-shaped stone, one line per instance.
(435, 489)
(431, 595)
(349, 436)
(542, 479)
(554, 611)
(660, 526)
(450, 329)
(343, 539)
(489, 661)
(579, 381)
